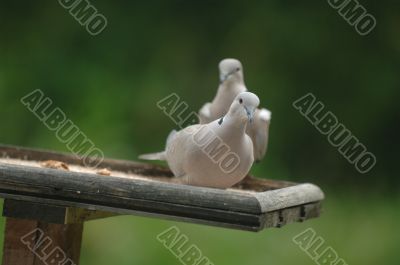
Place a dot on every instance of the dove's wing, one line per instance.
(179, 145)
(259, 132)
(205, 113)
(260, 142)
(171, 136)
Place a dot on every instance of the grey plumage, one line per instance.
(231, 84)
(217, 154)
(259, 132)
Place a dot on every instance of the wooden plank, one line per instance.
(121, 165)
(150, 171)
(30, 242)
(111, 191)
(106, 190)
(254, 204)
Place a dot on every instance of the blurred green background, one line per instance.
(109, 84)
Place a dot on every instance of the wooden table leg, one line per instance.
(32, 242)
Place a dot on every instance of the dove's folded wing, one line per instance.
(260, 143)
(205, 113)
(179, 145)
(260, 132)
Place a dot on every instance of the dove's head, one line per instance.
(230, 69)
(244, 106)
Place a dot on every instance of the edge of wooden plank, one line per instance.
(288, 197)
(301, 213)
(227, 219)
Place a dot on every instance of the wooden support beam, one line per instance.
(41, 234)
(31, 242)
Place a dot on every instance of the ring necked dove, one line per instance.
(218, 154)
(231, 84)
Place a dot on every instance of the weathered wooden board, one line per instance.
(66, 238)
(252, 205)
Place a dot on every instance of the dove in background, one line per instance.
(218, 154)
(231, 84)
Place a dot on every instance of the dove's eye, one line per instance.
(240, 100)
(237, 69)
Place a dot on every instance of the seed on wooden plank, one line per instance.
(104, 172)
(54, 164)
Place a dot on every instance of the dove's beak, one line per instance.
(250, 113)
(223, 77)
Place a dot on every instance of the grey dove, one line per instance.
(218, 154)
(231, 84)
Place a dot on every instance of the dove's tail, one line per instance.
(153, 156)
